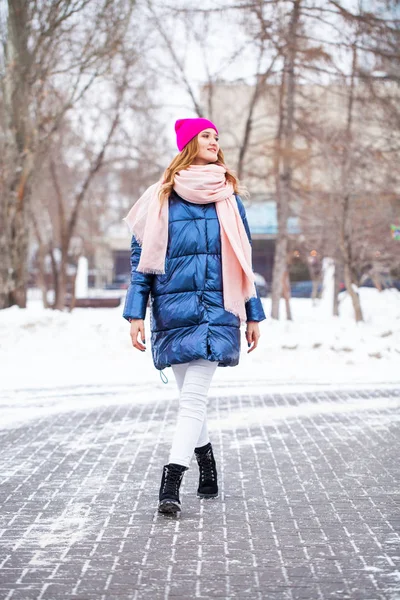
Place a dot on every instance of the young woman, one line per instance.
(191, 253)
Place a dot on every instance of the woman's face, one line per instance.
(208, 147)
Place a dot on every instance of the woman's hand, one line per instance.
(137, 326)
(252, 335)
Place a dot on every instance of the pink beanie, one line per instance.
(187, 129)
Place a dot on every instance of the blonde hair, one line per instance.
(184, 159)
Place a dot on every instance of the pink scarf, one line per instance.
(199, 184)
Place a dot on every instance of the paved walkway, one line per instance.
(309, 505)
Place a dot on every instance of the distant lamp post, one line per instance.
(82, 277)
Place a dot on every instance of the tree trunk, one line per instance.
(345, 248)
(345, 216)
(19, 257)
(54, 270)
(376, 279)
(73, 284)
(60, 285)
(286, 294)
(280, 258)
(284, 160)
(17, 158)
(336, 290)
(41, 262)
(353, 293)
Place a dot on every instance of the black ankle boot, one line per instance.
(208, 484)
(169, 502)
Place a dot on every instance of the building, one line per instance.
(263, 223)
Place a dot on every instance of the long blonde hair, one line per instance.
(184, 159)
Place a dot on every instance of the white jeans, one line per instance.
(193, 379)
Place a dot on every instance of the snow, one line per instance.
(49, 353)
(62, 530)
(268, 415)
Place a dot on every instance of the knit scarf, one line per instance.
(198, 184)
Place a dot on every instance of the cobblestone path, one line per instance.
(309, 504)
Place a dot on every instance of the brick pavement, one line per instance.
(309, 505)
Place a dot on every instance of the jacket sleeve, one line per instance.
(139, 289)
(254, 307)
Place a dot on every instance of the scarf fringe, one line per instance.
(146, 271)
(250, 297)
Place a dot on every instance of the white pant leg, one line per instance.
(180, 372)
(204, 438)
(192, 409)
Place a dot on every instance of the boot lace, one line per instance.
(207, 471)
(173, 477)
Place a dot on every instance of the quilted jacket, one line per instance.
(188, 320)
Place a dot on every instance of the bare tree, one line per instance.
(98, 163)
(345, 238)
(51, 51)
(284, 163)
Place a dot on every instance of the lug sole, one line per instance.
(199, 495)
(168, 507)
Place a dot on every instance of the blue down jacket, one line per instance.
(188, 320)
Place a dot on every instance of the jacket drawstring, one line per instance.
(163, 376)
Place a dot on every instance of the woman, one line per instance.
(191, 253)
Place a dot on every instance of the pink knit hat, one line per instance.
(187, 129)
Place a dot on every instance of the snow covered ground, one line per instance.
(44, 349)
